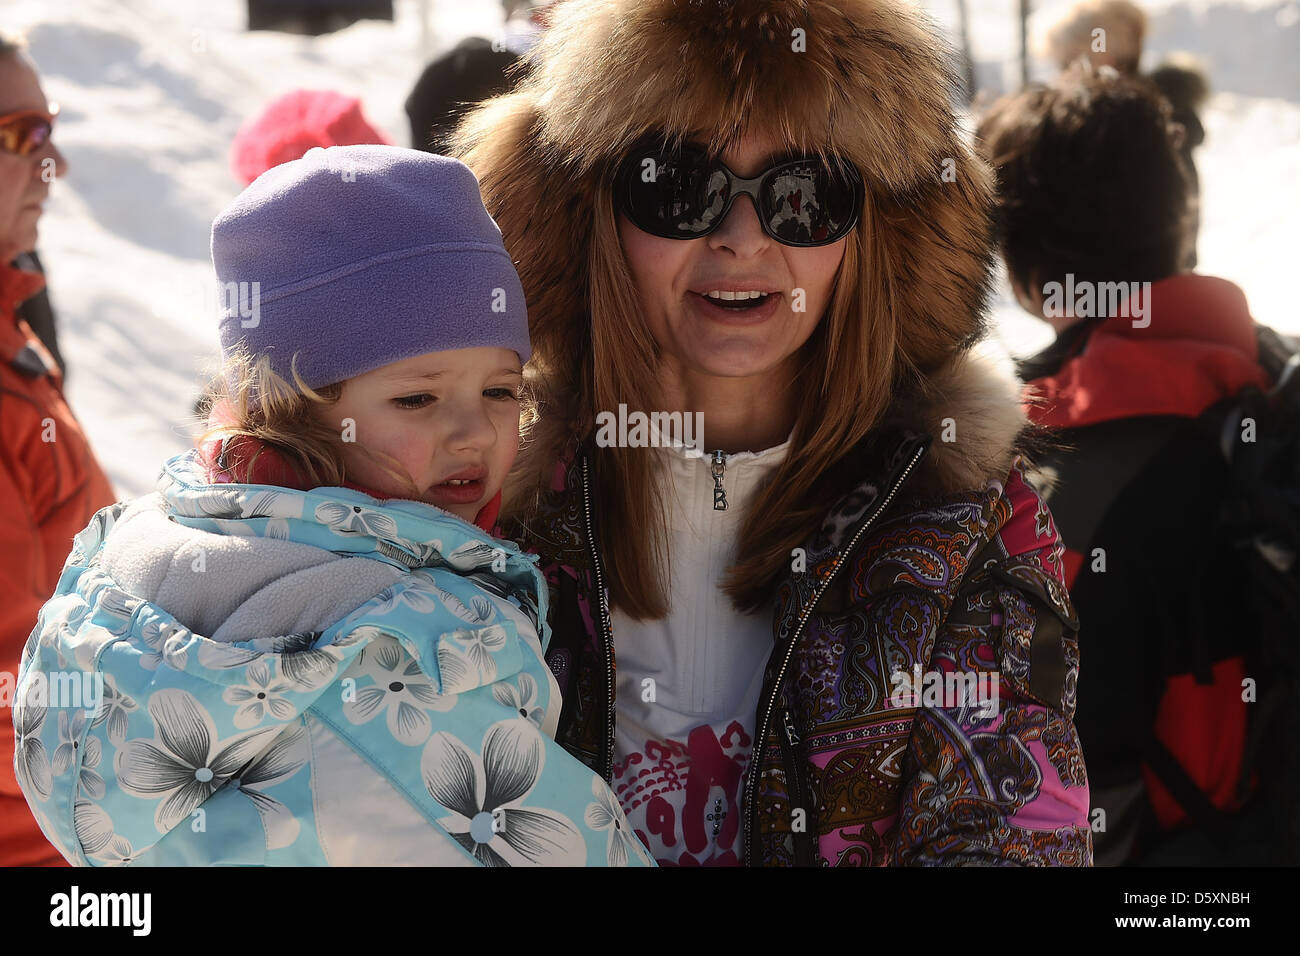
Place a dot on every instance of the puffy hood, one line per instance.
(190, 548)
(869, 85)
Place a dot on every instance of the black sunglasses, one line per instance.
(684, 194)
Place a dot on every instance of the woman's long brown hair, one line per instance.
(843, 387)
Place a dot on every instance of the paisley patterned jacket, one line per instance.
(867, 752)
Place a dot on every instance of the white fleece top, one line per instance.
(688, 684)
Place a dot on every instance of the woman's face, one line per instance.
(673, 275)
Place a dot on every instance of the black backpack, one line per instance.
(1258, 435)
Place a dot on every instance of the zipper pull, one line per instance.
(719, 493)
(789, 728)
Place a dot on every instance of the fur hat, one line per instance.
(862, 80)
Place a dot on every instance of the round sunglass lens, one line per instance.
(674, 195)
(807, 204)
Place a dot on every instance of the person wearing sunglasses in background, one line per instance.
(50, 482)
(764, 213)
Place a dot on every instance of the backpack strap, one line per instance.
(1180, 785)
(1280, 358)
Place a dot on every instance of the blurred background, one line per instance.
(153, 92)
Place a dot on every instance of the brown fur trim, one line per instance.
(871, 87)
(978, 390)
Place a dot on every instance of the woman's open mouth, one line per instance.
(732, 306)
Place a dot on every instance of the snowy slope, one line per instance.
(153, 91)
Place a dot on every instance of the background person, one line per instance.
(1092, 183)
(50, 482)
(1112, 33)
(473, 70)
(298, 121)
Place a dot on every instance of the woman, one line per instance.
(861, 518)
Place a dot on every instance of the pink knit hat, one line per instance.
(294, 123)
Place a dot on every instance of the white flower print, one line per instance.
(211, 503)
(71, 728)
(520, 697)
(260, 696)
(486, 797)
(88, 540)
(116, 709)
(419, 595)
(278, 762)
(31, 762)
(91, 783)
(471, 555)
(301, 662)
(273, 504)
(117, 853)
(85, 646)
(354, 520)
(186, 762)
(94, 828)
(606, 814)
(364, 634)
(69, 621)
(219, 656)
(479, 610)
(120, 606)
(400, 689)
(470, 664)
(72, 724)
(165, 642)
(277, 528)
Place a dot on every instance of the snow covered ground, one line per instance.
(153, 91)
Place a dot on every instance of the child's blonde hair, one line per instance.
(262, 405)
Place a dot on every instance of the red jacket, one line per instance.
(1199, 348)
(50, 485)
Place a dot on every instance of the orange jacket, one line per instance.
(50, 486)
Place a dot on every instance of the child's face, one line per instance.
(442, 417)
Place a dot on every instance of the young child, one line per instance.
(307, 647)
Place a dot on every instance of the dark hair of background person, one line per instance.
(1091, 180)
(472, 71)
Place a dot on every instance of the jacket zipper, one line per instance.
(765, 721)
(801, 842)
(604, 626)
(718, 469)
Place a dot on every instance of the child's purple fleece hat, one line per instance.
(359, 256)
